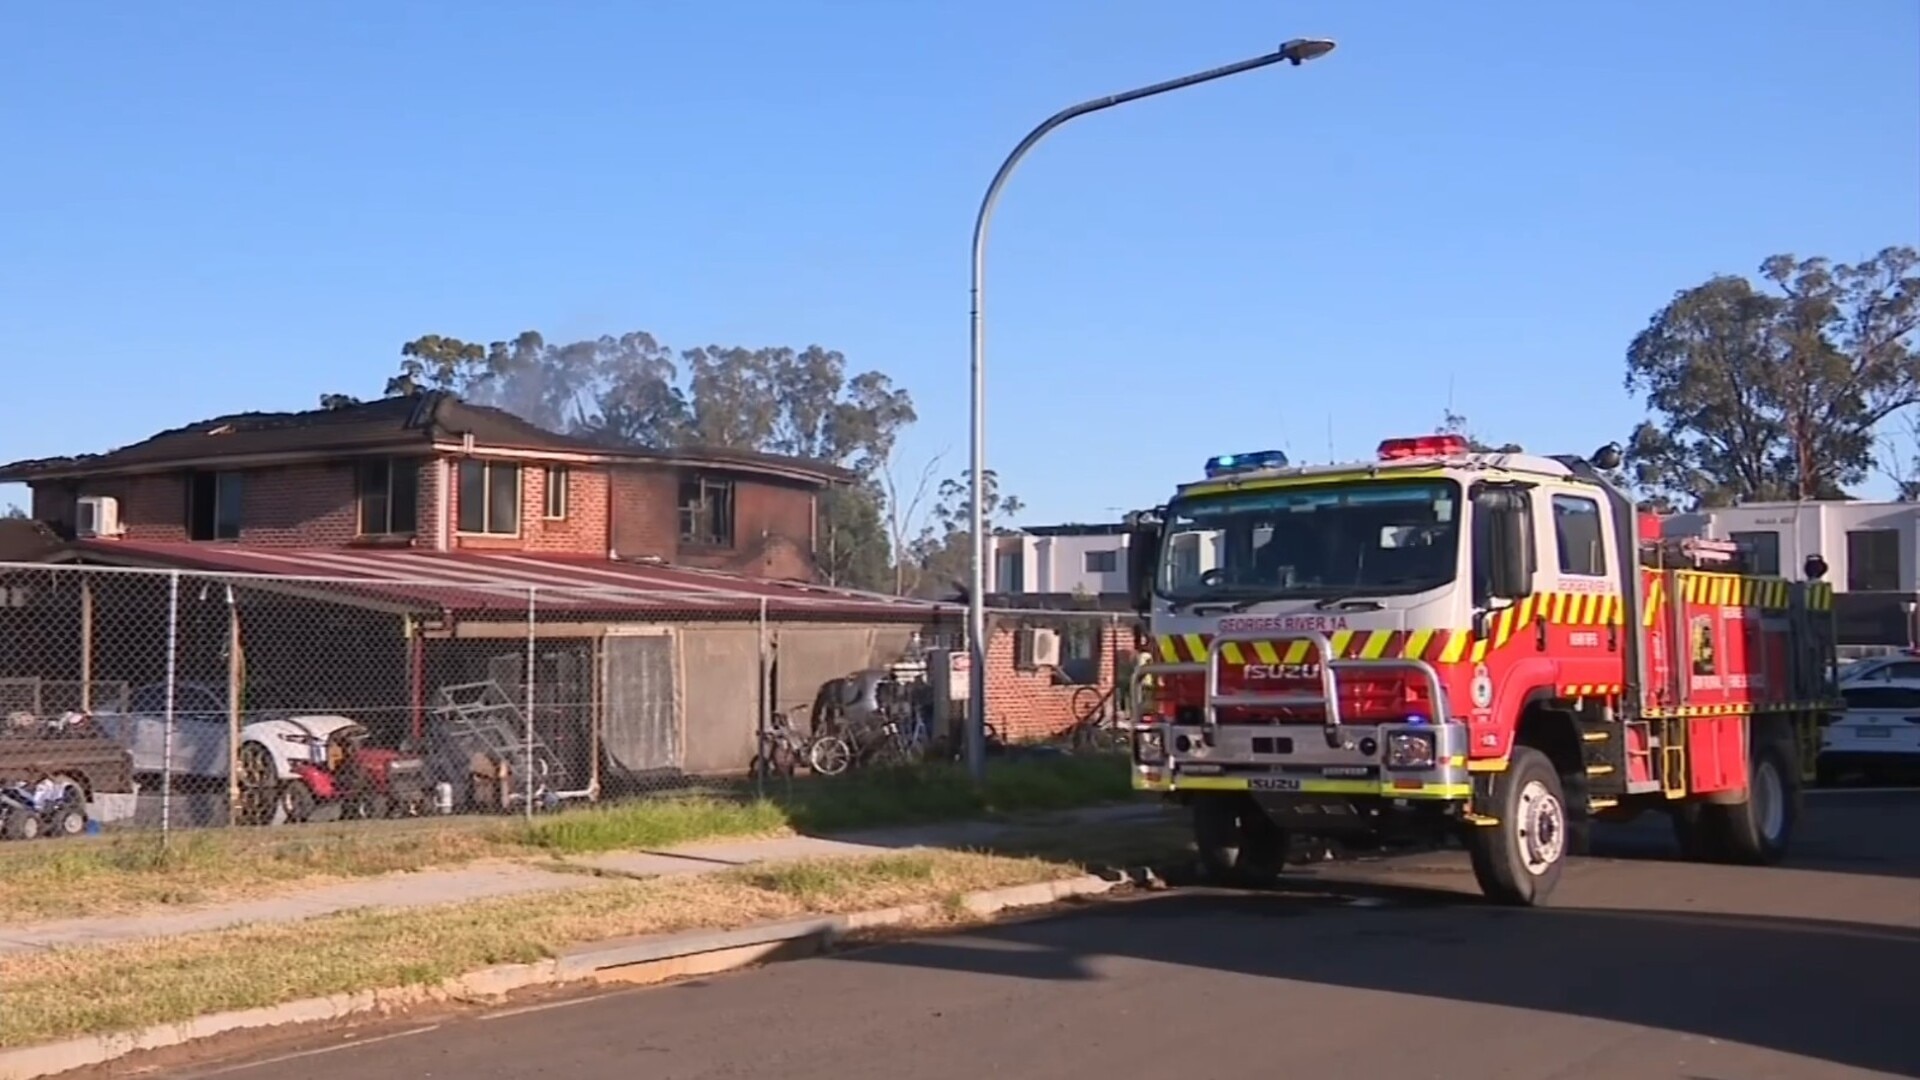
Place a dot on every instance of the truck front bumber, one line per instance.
(1292, 758)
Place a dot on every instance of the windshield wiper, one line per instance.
(1348, 603)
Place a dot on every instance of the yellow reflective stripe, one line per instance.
(1310, 786)
(1376, 644)
(1416, 644)
(1385, 472)
(1266, 652)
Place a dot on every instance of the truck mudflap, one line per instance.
(1416, 758)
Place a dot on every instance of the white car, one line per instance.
(1877, 735)
(1893, 667)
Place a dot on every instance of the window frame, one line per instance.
(391, 468)
(1858, 583)
(1747, 539)
(556, 478)
(1106, 555)
(487, 467)
(229, 491)
(1599, 561)
(705, 485)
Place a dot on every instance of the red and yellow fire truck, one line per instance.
(1439, 642)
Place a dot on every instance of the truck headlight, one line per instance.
(1149, 748)
(1410, 750)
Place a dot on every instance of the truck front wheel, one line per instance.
(1519, 860)
(1237, 842)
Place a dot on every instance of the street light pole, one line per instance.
(1295, 52)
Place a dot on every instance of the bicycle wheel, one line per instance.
(829, 755)
(1087, 703)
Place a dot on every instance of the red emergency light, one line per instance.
(1423, 446)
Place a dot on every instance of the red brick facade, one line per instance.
(773, 522)
(631, 509)
(1025, 706)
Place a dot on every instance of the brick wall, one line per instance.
(1024, 706)
(286, 506)
(634, 510)
(582, 531)
(772, 524)
(646, 519)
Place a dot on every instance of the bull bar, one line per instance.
(1328, 700)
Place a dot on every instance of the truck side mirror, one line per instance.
(1504, 554)
(1513, 551)
(1143, 552)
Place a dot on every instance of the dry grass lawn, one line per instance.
(71, 992)
(59, 879)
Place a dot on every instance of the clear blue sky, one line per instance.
(221, 206)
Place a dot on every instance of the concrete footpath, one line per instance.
(483, 881)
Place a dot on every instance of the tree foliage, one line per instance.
(942, 553)
(1452, 423)
(13, 513)
(1775, 389)
(632, 390)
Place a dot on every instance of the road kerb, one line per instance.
(627, 960)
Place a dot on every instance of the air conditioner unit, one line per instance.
(97, 516)
(1039, 647)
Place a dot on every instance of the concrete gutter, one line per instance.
(631, 961)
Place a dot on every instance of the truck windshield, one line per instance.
(1349, 538)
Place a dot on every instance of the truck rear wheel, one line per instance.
(1238, 843)
(1519, 860)
(1757, 830)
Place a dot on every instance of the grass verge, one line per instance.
(60, 879)
(71, 992)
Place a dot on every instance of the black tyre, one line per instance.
(1698, 833)
(1758, 830)
(298, 800)
(19, 823)
(1238, 844)
(1519, 861)
(69, 820)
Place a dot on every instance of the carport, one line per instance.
(635, 673)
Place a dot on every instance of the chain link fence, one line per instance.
(174, 699)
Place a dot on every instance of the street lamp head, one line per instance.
(1300, 50)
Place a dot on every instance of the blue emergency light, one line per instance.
(1223, 464)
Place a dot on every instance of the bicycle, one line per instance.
(1095, 727)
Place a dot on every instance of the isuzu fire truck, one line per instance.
(1441, 643)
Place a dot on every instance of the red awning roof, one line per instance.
(499, 583)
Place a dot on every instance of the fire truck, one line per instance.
(1440, 645)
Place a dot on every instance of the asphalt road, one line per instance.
(1645, 968)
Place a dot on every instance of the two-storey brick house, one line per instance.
(433, 473)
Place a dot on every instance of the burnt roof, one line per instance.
(25, 540)
(388, 423)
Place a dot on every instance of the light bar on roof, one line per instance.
(1228, 464)
(1422, 446)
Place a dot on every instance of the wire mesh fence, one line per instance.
(173, 699)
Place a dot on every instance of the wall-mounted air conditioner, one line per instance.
(1038, 647)
(97, 516)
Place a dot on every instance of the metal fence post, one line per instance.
(173, 665)
(533, 606)
(764, 721)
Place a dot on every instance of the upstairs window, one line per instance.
(213, 505)
(556, 492)
(706, 512)
(388, 490)
(1762, 549)
(1873, 560)
(489, 498)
